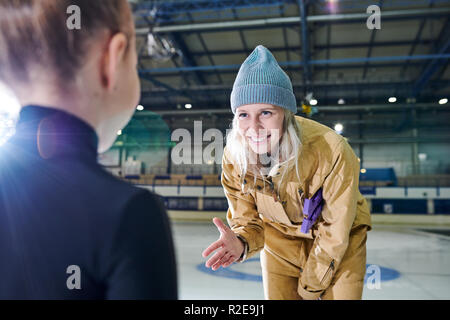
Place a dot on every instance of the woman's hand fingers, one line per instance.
(217, 257)
(214, 246)
(228, 247)
(229, 262)
(223, 229)
(222, 261)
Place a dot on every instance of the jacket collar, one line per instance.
(275, 173)
(277, 169)
(50, 133)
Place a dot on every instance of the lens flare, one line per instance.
(9, 113)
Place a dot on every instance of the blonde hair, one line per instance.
(289, 147)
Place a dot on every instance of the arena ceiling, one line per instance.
(325, 46)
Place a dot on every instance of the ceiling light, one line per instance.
(422, 156)
(339, 128)
(392, 99)
(443, 101)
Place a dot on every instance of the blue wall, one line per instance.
(398, 206)
(409, 206)
(442, 206)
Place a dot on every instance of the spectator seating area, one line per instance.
(176, 179)
(438, 180)
(378, 177)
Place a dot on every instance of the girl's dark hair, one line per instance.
(35, 33)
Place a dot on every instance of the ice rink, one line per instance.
(413, 263)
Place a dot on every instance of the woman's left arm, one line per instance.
(339, 190)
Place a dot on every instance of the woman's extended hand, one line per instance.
(229, 248)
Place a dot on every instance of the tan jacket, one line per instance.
(326, 161)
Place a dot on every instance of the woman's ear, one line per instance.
(113, 55)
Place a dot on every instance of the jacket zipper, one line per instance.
(330, 268)
(274, 194)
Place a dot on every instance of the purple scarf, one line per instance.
(312, 209)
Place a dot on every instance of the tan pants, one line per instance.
(283, 256)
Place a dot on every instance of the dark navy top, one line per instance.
(68, 228)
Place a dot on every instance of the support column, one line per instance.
(415, 145)
(430, 206)
(305, 45)
(361, 145)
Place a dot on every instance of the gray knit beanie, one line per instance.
(261, 80)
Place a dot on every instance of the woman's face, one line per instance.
(261, 125)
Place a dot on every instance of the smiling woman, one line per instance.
(258, 124)
(302, 208)
(263, 135)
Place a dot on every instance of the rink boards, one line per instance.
(382, 200)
